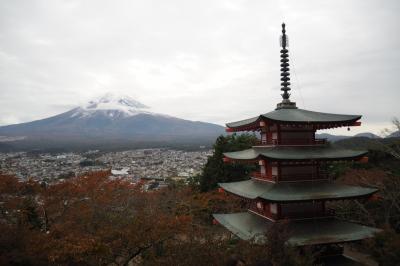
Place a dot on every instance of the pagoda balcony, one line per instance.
(292, 216)
(308, 215)
(322, 141)
(263, 212)
(303, 177)
(290, 177)
(292, 142)
(261, 176)
(266, 142)
(302, 141)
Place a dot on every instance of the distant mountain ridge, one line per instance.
(110, 119)
(395, 134)
(334, 138)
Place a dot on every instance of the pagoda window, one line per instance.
(263, 138)
(274, 171)
(273, 208)
(263, 170)
(274, 136)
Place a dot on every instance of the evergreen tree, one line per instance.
(216, 170)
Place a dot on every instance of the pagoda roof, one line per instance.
(250, 226)
(295, 191)
(291, 115)
(296, 153)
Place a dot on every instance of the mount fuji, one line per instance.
(110, 122)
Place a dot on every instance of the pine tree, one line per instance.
(216, 170)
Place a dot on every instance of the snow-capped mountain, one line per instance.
(118, 104)
(113, 106)
(111, 119)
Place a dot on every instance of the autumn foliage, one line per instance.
(95, 220)
(92, 220)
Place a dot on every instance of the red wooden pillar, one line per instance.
(278, 176)
(313, 130)
(278, 129)
(279, 211)
(269, 171)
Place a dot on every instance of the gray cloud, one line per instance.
(216, 61)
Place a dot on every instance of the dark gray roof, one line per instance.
(295, 153)
(243, 122)
(298, 191)
(250, 226)
(297, 115)
(245, 225)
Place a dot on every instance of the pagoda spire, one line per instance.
(284, 42)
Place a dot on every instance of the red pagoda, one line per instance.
(291, 182)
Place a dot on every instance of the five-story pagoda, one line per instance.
(291, 183)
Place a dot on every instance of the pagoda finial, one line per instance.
(284, 41)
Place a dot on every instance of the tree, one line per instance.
(393, 148)
(385, 247)
(93, 220)
(85, 220)
(216, 170)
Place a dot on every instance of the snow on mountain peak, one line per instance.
(112, 101)
(113, 105)
(117, 102)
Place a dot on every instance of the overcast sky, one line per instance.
(215, 61)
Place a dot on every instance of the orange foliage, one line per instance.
(92, 219)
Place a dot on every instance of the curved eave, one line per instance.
(245, 225)
(306, 116)
(295, 153)
(328, 231)
(296, 192)
(244, 125)
(341, 123)
(295, 116)
(246, 189)
(306, 232)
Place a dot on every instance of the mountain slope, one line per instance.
(334, 138)
(117, 118)
(367, 135)
(395, 134)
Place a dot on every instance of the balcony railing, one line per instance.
(321, 141)
(264, 212)
(265, 142)
(307, 214)
(290, 177)
(303, 176)
(263, 176)
(292, 142)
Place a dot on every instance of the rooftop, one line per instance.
(298, 191)
(305, 232)
(296, 153)
(297, 116)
